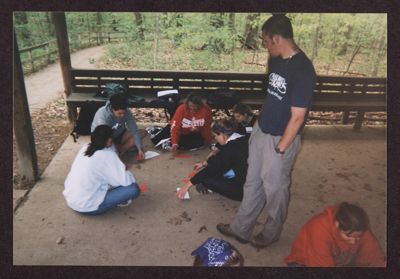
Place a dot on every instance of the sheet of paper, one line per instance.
(186, 197)
(150, 154)
(166, 92)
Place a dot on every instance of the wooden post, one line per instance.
(23, 132)
(345, 117)
(359, 120)
(31, 59)
(48, 53)
(64, 54)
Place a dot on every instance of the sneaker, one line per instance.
(201, 189)
(213, 147)
(153, 131)
(258, 241)
(226, 230)
(167, 145)
(123, 204)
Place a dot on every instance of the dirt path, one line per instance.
(47, 85)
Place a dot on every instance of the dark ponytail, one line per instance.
(98, 139)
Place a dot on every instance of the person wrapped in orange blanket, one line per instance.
(339, 236)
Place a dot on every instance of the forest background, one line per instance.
(338, 44)
(348, 44)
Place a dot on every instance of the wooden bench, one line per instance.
(332, 93)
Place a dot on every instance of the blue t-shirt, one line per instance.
(291, 83)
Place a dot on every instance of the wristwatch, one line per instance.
(277, 150)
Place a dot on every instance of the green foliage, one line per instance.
(206, 41)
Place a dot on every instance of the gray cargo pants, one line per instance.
(267, 183)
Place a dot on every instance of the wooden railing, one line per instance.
(36, 57)
(332, 93)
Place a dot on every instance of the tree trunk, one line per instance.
(99, 28)
(23, 132)
(50, 25)
(139, 24)
(155, 42)
(332, 48)
(316, 37)
(232, 28)
(380, 52)
(21, 18)
(65, 58)
(232, 23)
(251, 32)
(343, 47)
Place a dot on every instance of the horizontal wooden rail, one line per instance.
(332, 93)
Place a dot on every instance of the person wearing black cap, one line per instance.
(225, 172)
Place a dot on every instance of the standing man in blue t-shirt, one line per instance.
(275, 140)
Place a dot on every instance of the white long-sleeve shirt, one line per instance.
(90, 178)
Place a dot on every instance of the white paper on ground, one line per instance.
(150, 154)
(186, 197)
(162, 141)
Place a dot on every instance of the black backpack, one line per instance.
(170, 104)
(85, 119)
(110, 89)
(223, 100)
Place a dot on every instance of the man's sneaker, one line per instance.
(226, 230)
(153, 131)
(167, 145)
(258, 241)
(123, 204)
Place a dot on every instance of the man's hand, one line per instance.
(174, 148)
(140, 155)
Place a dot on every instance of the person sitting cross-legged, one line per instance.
(339, 236)
(224, 172)
(98, 180)
(189, 127)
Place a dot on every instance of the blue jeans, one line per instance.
(116, 196)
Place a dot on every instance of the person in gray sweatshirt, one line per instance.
(115, 113)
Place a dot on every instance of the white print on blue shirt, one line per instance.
(116, 126)
(279, 85)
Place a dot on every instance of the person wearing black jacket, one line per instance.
(225, 172)
(243, 115)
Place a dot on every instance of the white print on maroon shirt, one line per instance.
(192, 124)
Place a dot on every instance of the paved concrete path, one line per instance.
(47, 85)
(335, 164)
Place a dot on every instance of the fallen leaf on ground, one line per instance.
(60, 240)
(202, 228)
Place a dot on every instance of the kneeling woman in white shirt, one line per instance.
(98, 180)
